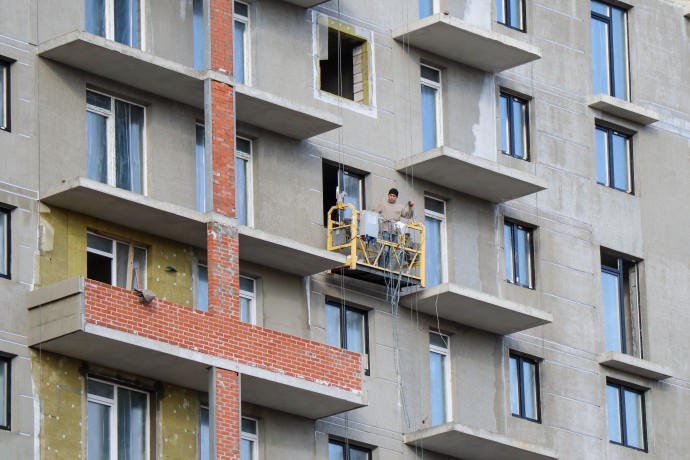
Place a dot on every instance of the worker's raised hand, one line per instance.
(410, 203)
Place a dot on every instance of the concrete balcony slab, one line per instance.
(476, 309)
(306, 3)
(633, 365)
(686, 11)
(61, 320)
(284, 254)
(468, 44)
(469, 443)
(623, 109)
(472, 175)
(281, 116)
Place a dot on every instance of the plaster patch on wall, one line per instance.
(478, 12)
(484, 131)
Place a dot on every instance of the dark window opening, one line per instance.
(337, 181)
(342, 73)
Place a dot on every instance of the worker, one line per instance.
(391, 212)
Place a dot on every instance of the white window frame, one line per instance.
(112, 403)
(110, 139)
(253, 438)
(113, 258)
(6, 395)
(5, 95)
(6, 224)
(110, 22)
(251, 296)
(247, 156)
(446, 371)
(439, 109)
(444, 248)
(247, 45)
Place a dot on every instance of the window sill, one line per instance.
(623, 109)
(635, 366)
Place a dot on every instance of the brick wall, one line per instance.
(227, 388)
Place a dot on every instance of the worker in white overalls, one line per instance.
(391, 212)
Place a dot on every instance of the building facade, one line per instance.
(173, 284)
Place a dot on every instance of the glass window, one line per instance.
(345, 184)
(107, 262)
(243, 181)
(620, 299)
(204, 433)
(4, 96)
(200, 157)
(431, 108)
(118, 20)
(435, 240)
(519, 254)
(241, 42)
(114, 142)
(514, 126)
(614, 159)
(117, 421)
(524, 387)
(625, 407)
(198, 33)
(427, 8)
(338, 450)
(5, 243)
(5, 394)
(610, 50)
(249, 449)
(439, 377)
(511, 13)
(247, 300)
(202, 287)
(346, 327)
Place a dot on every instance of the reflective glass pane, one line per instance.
(122, 261)
(241, 9)
(99, 100)
(523, 257)
(204, 436)
(358, 453)
(99, 243)
(519, 128)
(619, 162)
(514, 387)
(500, 12)
(243, 145)
(200, 157)
(129, 146)
(96, 147)
(139, 273)
(529, 388)
(429, 73)
(4, 394)
(504, 123)
(3, 95)
(336, 451)
(438, 388)
(98, 431)
(437, 206)
(438, 340)
(426, 8)
(351, 184)
(127, 22)
(247, 450)
(198, 32)
(600, 8)
(434, 261)
(429, 122)
(4, 253)
(333, 325)
(246, 284)
(95, 17)
(249, 425)
(614, 415)
(202, 288)
(634, 430)
(241, 190)
(131, 424)
(239, 47)
(245, 309)
(516, 14)
(508, 251)
(355, 329)
(612, 311)
(601, 139)
(600, 56)
(619, 56)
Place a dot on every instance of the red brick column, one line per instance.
(221, 35)
(223, 255)
(226, 413)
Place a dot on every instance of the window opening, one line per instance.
(620, 280)
(249, 448)
(4, 96)
(339, 450)
(347, 328)
(115, 262)
(431, 107)
(344, 70)
(118, 20)
(200, 157)
(519, 254)
(247, 300)
(5, 243)
(202, 287)
(435, 240)
(626, 413)
(610, 50)
(514, 126)
(511, 13)
(198, 33)
(241, 42)
(340, 182)
(524, 388)
(204, 433)
(440, 377)
(5, 392)
(243, 181)
(614, 159)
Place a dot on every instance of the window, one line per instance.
(249, 435)
(346, 327)
(4, 96)
(524, 388)
(117, 421)
(202, 287)
(200, 168)
(204, 433)
(620, 281)
(338, 181)
(338, 450)
(243, 181)
(107, 262)
(519, 253)
(439, 377)
(514, 126)
(114, 142)
(427, 8)
(247, 300)
(511, 13)
(5, 393)
(241, 42)
(435, 240)
(198, 33)
(344, 65)
(614, 159)
(626, 416)
(118, 20)
(5, 243)
(610, 50)
(431, 108)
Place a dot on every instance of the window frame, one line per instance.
(520, 359)
(198, 35)
(246, 43)
(251, 437)
(343, 309)
(514, 256)
(200, 165)
(437, 87)
(6, 220)
(626, 314)
(347, 446)
(610, 64)
(251, 296)
(113, 257)
(204, 439)
(623, 420)
(510, 121)
(109, 18)
(328, 169)
(508, 13)
(198, 287)
(247, 157)
(442, 218)
(447, 396)
(5, 80)
(6, 360)
(609, 154)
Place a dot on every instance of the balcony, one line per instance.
(469, 443)
(467, 44)
(470, 174)
(633, 365)
(623, 109)
(476, 309)
(108, 326)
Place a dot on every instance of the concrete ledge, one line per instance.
(472, 175)
(130, 66)
(284, 254)
(476, 309)
(623, 109)
(686, 12)
(633, 365)
(306, 3)
(469, 443)
(57, 291)
(468, 44)
(281, 116)
(129, 209)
